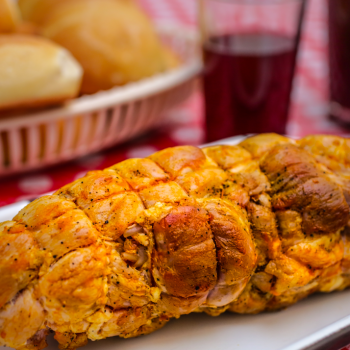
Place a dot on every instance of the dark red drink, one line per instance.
(247, 83)
(339, 57)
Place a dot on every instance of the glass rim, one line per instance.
(256, 2)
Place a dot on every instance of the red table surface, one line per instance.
(308, 113)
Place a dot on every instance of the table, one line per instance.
(308, 110)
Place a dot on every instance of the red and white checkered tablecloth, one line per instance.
(308, 112)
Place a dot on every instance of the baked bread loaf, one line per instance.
(36, 72)
(9, 16)
(118, 252)
(113, 40)
(36, 10)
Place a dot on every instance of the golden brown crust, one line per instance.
(185, 257)
(70, 340)
(179, 160)
(243, 228)
(334, 153)
(169, 192)
(235, 251)
(298, 183)
(20, 260)
(234, 245)
(260, 145)
(140, 173)
(36, 72)
(9, 16)
(296, 226)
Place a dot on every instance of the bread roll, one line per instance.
(27, 28)
(35, 72)
(36, 10)
(113, 40)
(9, 16)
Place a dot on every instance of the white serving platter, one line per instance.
(312, 324)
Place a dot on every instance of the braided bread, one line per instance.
(119, 252)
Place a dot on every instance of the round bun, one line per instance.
(9, 16)
(27, 28)
(114, 41)
(36, 72)
(36, 10)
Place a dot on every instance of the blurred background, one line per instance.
(185, 124)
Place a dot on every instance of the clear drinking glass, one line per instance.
(249, 49)
(339, 58)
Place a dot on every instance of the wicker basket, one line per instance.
(91, 123)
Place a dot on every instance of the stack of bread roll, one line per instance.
(54, 50)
